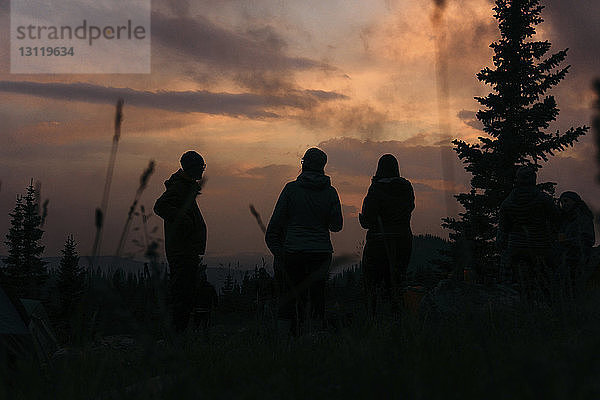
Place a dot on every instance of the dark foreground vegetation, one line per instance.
(461, 342)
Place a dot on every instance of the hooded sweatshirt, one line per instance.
(185, 229)
(527, 219)
(306, 211)
(391, 201)
(577, 229)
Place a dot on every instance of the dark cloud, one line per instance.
(363, 120)
(252, 55)
(421, 187)
(272, 171)
(202, 41)
(242, 104)
(470, 119)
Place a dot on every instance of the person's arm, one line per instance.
(588, 236)
(411, 197)
(370, 210)
(336, 219)
(173, 207)
(552, 213)
(167, 206)
(275, 233)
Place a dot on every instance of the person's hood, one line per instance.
(179, 178)
(392, 187)
(525, 194)
(313, 180)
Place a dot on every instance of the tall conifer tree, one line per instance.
(516, 116)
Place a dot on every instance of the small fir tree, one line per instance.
(12, 274)
(25, 271)
(71, 277)
(34, 267)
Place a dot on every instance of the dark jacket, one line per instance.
(392, 200)
(577, 234)
(185, 230)
(527, 219)
(307, 209)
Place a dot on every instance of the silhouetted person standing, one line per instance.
(298, 236)
(576, 236)
(185, 235)
(526, 229)
(386, 213)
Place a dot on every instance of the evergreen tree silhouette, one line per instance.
(35, 268)
(25, 271)
(71, 277)
(12, 274)
(515, 116)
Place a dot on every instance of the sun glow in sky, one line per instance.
(251, 85)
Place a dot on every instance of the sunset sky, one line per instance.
(252, 84)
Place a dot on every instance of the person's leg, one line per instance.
(369, 280)
(302, 282)
(379, 272)
(183, 290)
(404, 251)
(520, 265)
(290, 275)
(319, 274)
(547, 275)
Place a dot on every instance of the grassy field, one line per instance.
(524, 354)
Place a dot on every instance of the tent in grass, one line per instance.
(24, 330)
(15, 337)
(39, 328)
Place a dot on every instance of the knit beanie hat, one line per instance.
(193, 164)
(526, 176)
(314, 160)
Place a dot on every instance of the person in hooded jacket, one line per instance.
(185, 236)
(386, 213)
(527, 227)
(576, 235)
(298, 235)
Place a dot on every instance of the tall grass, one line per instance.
(530, 355)
(144, 178)
(101, 211)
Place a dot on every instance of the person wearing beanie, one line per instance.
(386, 213)
(576, 238)
(527, 224)
(298, 235)
(185, 236)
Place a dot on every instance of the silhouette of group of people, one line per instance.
(545, 246)
(298, 235)
(533, 234)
